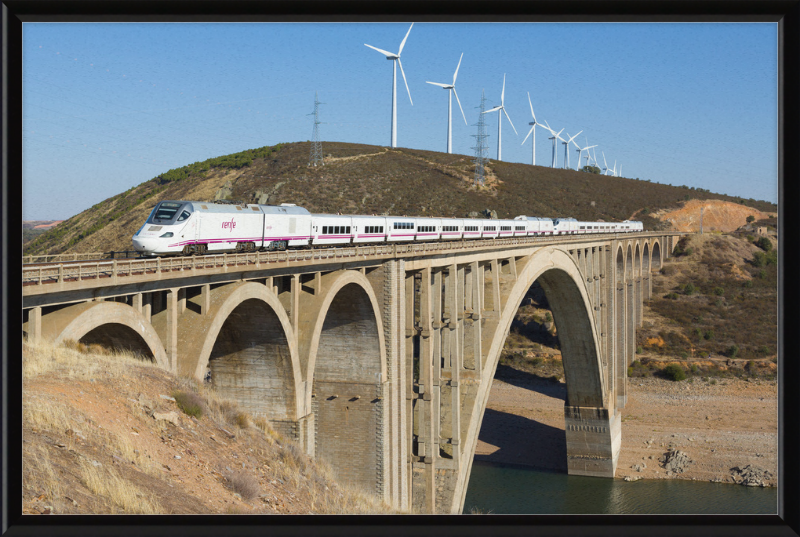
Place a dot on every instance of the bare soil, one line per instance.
(720, 426)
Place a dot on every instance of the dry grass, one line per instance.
(75, 360)
(243, 484)
(107, 483)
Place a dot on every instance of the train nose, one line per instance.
(143, 245)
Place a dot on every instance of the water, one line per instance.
(501, 489)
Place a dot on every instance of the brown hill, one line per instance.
(370, 179)
(110, 433)
(717, 216)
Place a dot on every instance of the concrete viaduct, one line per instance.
(378, 359)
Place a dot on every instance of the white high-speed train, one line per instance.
(194, 227)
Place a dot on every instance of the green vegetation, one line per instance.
(190, 403)
(674, 372)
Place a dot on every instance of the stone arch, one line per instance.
(646, 262)
(656, 255)
(250, 350)
(111, 324)
(619, 324)
(559, 275)
(346, 375)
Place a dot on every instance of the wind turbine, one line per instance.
(396, 59)
(554, 138)
(450, 105)
(580, 151)
(500, 120)
(605, 164)
(566, 149)
(533, 130)
(614, 170)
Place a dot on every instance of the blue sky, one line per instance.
(107, 106)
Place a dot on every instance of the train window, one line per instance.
(184, 215)
(166, 211)
(348, 230)
(380, 229)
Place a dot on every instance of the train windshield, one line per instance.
(165, 212)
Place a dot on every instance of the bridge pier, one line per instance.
(594, 437)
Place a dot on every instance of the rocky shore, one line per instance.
(722, 432)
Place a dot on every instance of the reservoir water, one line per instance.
(502, 489)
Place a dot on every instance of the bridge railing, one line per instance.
(69, 270)
(66, 258)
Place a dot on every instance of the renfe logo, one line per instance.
(229, 225)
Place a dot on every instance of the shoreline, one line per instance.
(721, 427)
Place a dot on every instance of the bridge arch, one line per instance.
(346, 376)
(646, 264)
(559, 275)
(250, 351)
(656, 256)
(111, 324)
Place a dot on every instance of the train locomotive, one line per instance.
(194, 227)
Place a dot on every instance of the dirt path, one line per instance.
(731, 424)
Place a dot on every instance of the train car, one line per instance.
(565, 226)
(520, 228)
(400, 228)
(452, 229)
(428, 229)
(505, 229)
(285, 225)
(368, 229)
(490, 229)
(472, 229)
(629, 226)
(331, 229)
(186, 227)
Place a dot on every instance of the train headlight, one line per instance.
(166, 235)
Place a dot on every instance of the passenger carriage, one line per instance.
(331, 229)
(428, 229)
(369, 229)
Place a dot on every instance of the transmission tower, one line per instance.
(481, 145)
(316, 145)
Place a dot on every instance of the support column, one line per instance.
(477, 309)
(35, 323)
(147, 306)
(171, 339)
(427, 427)
(205, 299)
(136, 302)
(594, 437)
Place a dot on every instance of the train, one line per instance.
(196, 227)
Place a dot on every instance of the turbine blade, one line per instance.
(436, 84)
(503, 94)
(526, 136)
(404, 76)
(493, 109)
(404, 39)
(380, 50)
(509, 120)
(459, 65)
(459, 105)
(529, 102)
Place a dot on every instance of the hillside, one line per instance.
(112, 434)
(368, 179)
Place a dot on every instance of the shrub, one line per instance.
(674, 372)
(751, 218)
(689, 288)
(672, 296)
(694, 369)
(719, 291)
(190, 403)
(243, 484)
(748, 284)
(764, 243)
(708, 334)
(732, 351)
(762, 274)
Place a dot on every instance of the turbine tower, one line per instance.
(566, 149)
(501, 108)
(395, 60)
(533, 130)
(605, 164)
(580, 151)
(451, 87)
(554, 138)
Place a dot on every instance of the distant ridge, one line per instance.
(367, 179)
